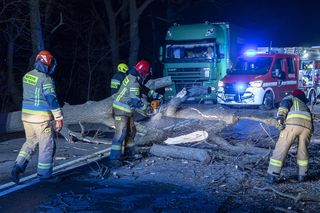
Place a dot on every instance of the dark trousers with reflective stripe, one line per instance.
(286, 139)
(123, 137)
(42, 134)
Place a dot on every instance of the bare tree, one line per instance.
(13, 28)
(135, 12)
(113, 32)
(35, 26)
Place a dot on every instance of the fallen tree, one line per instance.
(181, 152)
(96, 116)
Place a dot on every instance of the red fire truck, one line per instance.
(260, 78)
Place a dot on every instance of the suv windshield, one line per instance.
(189, 52)
(252, 66)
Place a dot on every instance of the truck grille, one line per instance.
(187, 84)
(187, 73)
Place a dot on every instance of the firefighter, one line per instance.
(295, 121)
(118, 77)
(126, 101)
(39, 107)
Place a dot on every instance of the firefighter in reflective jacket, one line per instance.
(118, 77)
(126, 101)
(39, 107)
(295, 121)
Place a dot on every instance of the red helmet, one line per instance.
(297, 92)
(45, 57)
(143, 68)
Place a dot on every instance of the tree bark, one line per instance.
(181, 152)
(239, 148)
(134, 33)
(35, 26)
(182, 96)
(134, 13)
(12, 85)
(113, 33)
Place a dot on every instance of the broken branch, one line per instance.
(295, 198)
(181, 152)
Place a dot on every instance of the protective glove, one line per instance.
(150, 111)
(135, 103)
(59, 125)
(281, 123)
(160, 97)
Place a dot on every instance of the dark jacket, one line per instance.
(116, 81)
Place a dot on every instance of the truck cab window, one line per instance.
(290, 66)
(190, 52)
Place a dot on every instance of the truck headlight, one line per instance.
(168, 89)
(220, 84)
(256, 83)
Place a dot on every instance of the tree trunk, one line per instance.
(113, 34)
(12, 85)
(48, 13)
(77, 119)
(181, 152)
(35, 26)
(134, 32)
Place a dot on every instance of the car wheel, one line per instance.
(268, 101)
(312, 98)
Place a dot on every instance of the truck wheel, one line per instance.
(268, 101)
(312, 98)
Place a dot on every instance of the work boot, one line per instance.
(15, 173)
(271, 179)
(51, 179)
(302, 178)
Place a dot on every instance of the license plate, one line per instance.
(229, 97)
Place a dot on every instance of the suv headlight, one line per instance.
(220, 84)
(256, 83)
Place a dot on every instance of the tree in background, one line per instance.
(88, 38)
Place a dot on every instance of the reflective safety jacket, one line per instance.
(128, 98)
(39, 98)
(296, 112)
(116, 82)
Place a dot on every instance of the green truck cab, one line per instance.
(197, 55)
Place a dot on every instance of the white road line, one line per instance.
(7, 188)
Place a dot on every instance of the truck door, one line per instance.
(279, 75)
(291, 82)
(285, 73)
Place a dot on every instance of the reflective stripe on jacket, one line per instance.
(116, 82)
(39, 98)
(127, 99)
(296, 112)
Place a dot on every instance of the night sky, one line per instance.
(284, 22)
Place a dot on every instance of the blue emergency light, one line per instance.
(241, 87)
(250, 52)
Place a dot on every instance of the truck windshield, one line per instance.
(189, 52)
(251, 66)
